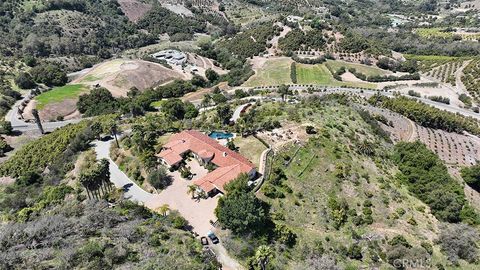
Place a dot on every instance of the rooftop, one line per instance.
(230, 163)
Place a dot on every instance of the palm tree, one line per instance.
(191, 190)
(85, 181)
(263, 256)
(37, 120)
(164, 209)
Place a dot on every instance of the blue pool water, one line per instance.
(220, 135)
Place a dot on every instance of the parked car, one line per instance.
(213, 237)
(204, 241)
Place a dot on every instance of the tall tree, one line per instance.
(37, 120)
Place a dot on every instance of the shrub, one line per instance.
(24, 80)
(159, 178)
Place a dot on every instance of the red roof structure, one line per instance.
(230, 164)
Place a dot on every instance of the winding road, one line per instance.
(18, 124)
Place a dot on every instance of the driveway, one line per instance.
(120, 179)
(197, 212)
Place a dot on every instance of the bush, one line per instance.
(471, 175)
(458, 241)
(427, 177)
(49, 74)
(25, 81)
(159, 178)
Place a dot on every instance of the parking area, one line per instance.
(197, 212)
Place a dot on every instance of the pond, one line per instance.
(220, 135)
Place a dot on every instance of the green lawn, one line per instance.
(319, 74)
(367, 70)
(274, 72)
(314, 74)
(59, 94)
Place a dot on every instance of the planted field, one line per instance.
(452, 148)
(60, 94)
(446, 72)
(443, 33)
(471, 78)
(319, 74)
(273, 72)
(367, 70)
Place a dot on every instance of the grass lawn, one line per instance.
(274, 72)
(250, 147)
(157, 104)
(367, 70)
(59, 94)
(319, 74)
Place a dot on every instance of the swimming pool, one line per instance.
(220, 135)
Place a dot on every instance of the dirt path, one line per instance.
(412, 130)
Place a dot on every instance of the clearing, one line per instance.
(250, 147)
(272, 72)
(367, 70)
(319, 74)
(119, 75)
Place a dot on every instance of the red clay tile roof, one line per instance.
(170, 156)
(218, 178)
(230, 163)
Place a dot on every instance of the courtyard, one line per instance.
(198, 212)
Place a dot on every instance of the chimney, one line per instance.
(224, 154)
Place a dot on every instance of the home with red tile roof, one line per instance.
(229, 164)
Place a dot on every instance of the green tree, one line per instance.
(164, 209)
(24, 80)
(211, 75)
(471, 175)
(224, 112)
(6, 127)
(242, 213)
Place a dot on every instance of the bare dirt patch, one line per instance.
(134, 9)
(288, 133)
(119, 75)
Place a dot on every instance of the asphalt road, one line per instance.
(120, 179)
(19, 124)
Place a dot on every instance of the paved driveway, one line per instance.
(197, 212)
(120, 179)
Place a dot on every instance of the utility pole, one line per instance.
(37, 120)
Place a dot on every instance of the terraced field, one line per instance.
(471, 78)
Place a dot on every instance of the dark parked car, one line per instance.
(213, 237)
